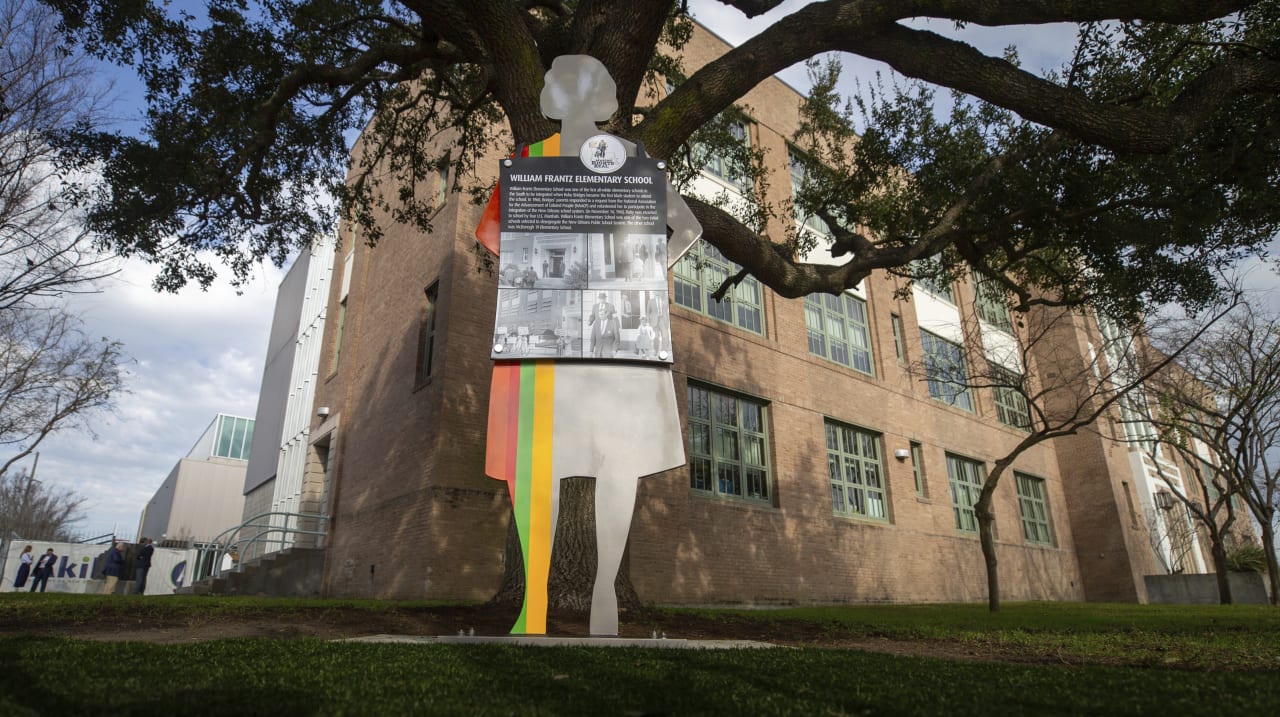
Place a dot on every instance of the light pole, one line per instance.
(24, 520)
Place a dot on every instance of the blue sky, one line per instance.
(200, 353)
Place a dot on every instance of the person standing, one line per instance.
(113, 568)
(142, 566)
(599, 323)
(24, 568)
(43, 570)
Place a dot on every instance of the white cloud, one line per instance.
(195, 354)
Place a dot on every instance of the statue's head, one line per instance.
(579, 85)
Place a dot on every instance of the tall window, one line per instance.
(966, 478)
(726, 166)
(945, 371)
(442, 182)
(1034, 509)
(1011, 403)
(811, 222)
(727, 454)
(343, 290)
(939, 287)
(899, 337)
(992, 306)
(917, 469)
(857, 475)
(427, 332)
(838, 329)
(701, 271)
(337, 335)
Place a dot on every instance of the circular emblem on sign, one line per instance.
(603, 154)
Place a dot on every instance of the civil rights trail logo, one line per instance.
(603, 154)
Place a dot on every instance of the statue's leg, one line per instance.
(615, 502)
(534, 493)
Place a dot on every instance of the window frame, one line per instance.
(427, 332)
(840, 461)
(991, 304)
(700, 272)
(707, 447)
(918, 470)
(899, 337)
(939, 387)
(1033, 523)
(1010, 403)
(821, 304)
(965, 486)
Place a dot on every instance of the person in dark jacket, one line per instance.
(113, 569)
(43, 570)
(142, 566)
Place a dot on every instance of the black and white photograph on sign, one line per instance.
(538, 323)
(628, 260)
(627, 324)
(540, 260)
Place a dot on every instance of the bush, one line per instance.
(1246, 558)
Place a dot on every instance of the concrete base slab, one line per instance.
(552, 641)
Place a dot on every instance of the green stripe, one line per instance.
(524, 472)
(535, 149)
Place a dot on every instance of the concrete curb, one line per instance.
(544, 641)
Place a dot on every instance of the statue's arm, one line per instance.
(685, 229)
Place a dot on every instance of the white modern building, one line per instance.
(274, 484)
(202, 496)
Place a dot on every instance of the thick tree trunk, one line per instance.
(573, 557)
(1219, 550)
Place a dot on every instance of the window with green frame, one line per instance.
(727, 445)
(427, 332)
(937, 286)
(899, 338)
(1011, 403)
(966, 478)
(945, 371)
(991, 303)
(812, 222)
(838, 329)
(1034, 509)
(856, 472)
(701, 271)
(917, 469)
(728, 167)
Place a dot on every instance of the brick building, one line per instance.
(852, 478)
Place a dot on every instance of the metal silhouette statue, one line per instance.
(595, 415)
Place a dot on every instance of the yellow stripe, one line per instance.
(551, 146)
(540, 527)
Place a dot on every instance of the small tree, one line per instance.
(52, 378)
(31, 510)
(1047, 384)
(1221, 411)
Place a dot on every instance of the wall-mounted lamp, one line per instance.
(322, 411)
(902, 454)
(1164, 500)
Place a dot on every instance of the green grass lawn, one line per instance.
(1126, 659)
(53, 676)
(1197, 637)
